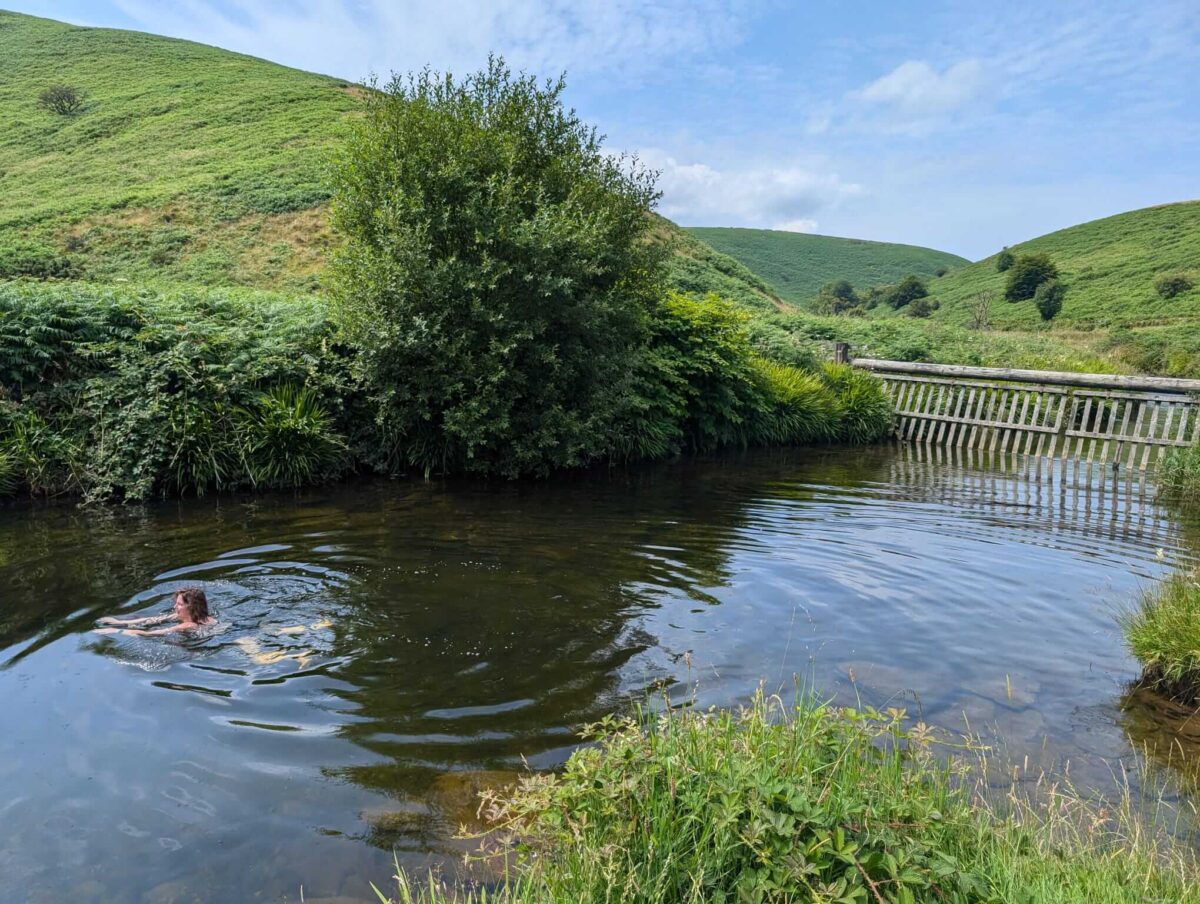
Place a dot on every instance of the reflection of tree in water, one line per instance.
(508, 616)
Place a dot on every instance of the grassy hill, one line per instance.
(191, 164)
(796, 265)
(1109, 267)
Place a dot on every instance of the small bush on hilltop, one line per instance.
(1004, 261)
(1027, 273)
(1171, 284)
(1049, 299)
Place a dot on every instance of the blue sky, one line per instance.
(961, 125)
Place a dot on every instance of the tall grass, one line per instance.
(1179, 475)
(777, 803)
(1163, 633)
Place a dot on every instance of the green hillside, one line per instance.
(1109, 267)
(191, 164)
(796, 264)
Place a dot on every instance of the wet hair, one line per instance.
(195, 602)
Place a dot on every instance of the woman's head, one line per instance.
(192, 604)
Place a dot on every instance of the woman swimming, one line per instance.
(190, 610)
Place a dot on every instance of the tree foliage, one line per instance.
(62, 99)
(1004, 261)
(907, 291)
(1049, 299)
(836, 297)
(1027, 273)
(1168, 285)
(496, 273)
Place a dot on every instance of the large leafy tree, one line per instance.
(496, 274)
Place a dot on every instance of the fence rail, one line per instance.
(1097, 419)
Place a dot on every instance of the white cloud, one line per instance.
(772, 197)
(915, 88)
(351, 38)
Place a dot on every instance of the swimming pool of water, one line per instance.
(386, 648)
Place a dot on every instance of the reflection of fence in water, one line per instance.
(1110, 424)
(1052, 497)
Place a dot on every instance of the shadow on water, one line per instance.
(385, 649)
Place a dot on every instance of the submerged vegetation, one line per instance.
(1163, 633)
(807, 803)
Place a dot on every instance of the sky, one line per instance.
(964, 125)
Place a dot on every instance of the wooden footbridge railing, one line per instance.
(1125, 422)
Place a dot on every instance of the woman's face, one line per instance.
(181, 611)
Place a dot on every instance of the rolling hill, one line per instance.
(796, 264)
(1109, 267)
(191, 164)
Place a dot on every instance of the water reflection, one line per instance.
(387, 648)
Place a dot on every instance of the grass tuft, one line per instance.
(1163, 633)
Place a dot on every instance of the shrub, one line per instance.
(922, 307)
(980, 308)
(288, 439)
(797, 407)
(496, 274)
(129, 394)
(836, 298)
(33, 260)
(864, 408)
(1027, 273)
(941, 271)
(1168, 285)
(62, 99)
(1004, 261)
(908, 290)
(1049, 299)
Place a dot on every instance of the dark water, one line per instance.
(387, 648)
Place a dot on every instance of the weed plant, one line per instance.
(806, 803)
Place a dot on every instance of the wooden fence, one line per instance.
(1102, 420)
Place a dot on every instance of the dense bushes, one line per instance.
(123, 394)
(908, 290)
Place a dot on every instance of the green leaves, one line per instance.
(496, 273)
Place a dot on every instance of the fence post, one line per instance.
(841, 353)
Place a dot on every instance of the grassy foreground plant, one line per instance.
(1163, 633)
(806, 803)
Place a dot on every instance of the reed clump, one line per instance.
(1163, 633)
(1179, 475)
(778, 803)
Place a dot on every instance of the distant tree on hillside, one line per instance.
(1004, 260)
(62, 99)
(922, 307)
(1049, 299)
(1171, 284)
(980, 309)
(1027, 273)
(908, 290)
(836, 298)
(876, 294)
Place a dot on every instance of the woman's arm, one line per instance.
(156, 632)
(149, 620)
